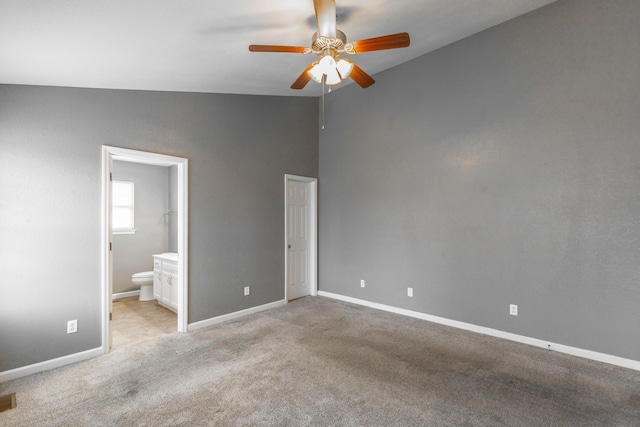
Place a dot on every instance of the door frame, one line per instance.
(116, 153)
(312, 184)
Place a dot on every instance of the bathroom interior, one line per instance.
(144, 267)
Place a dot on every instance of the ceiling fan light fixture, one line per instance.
(326, 67)
(333, 78)
(344, 67)
(315, 73)
(327, 64)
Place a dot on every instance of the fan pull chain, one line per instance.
(323, 80)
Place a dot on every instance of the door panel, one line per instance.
(297, 239)
(173, 282)
(166, 288)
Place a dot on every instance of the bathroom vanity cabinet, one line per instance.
(165, 279)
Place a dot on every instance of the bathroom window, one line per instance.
(122, 207)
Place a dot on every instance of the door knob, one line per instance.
(289, 246)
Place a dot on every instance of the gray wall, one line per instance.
(239, 148)
(504, 168)
(132, 253)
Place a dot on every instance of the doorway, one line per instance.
(301, 236)
(109, 154)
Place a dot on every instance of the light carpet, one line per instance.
(320, 362)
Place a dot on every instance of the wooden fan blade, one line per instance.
(391, 41)
(271, 48)
(359, 76)
(326, 17)
(303, 79)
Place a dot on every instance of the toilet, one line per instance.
(145, 281)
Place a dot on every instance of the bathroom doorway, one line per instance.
(179, 167)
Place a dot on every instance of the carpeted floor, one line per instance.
(328, 363)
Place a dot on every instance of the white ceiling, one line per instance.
(202, 46)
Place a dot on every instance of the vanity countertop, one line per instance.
(169, 256)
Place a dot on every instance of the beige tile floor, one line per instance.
(135, 321)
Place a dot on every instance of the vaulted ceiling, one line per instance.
(202, 46)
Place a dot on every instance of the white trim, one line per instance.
(183, 245)
(225, 317)
(124, 231)
(587, 354)
(123, 154)
(313, 232)
(105, 242)
(49, 364)
(125, 294)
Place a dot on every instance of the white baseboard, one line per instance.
(219, 319)
(49, 364)
(587, 354)
(125, 294)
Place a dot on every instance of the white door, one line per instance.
(298, 231)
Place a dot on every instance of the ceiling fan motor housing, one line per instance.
(323, 46)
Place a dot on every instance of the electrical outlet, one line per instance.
(246, 290)
(410, 292)
(362, 283)
(72, 326)
(513, 309)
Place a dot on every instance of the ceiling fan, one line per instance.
(330, 44)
